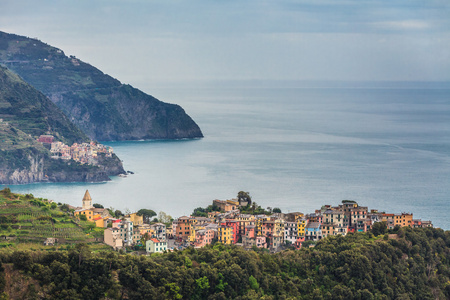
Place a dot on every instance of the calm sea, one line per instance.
(296, 148)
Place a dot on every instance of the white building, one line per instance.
(155, 246)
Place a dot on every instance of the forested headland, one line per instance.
(409, 264)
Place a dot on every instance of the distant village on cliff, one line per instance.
(85, 153)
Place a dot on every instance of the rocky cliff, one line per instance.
(33, 165)
(103, 107)
(33, 173)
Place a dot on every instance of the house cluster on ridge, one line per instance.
(274, 231)
(85, 153)
(230, 226)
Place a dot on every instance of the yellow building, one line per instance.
(193, 232)
(137, 220)
(278, 228)
(99, 221)
(87, 212)
(258, 224)
(299, 216)
(233, 202)
(169, 232)
(301, 224)
(403, 219)
(225, 234)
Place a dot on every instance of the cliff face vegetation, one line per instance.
(26, 109)
(98, 104)
(125, 113)
(413, 265)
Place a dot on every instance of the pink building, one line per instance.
(250, 231)
(235, 227)
(267, 228)
(298, 243)
(203, 237)
(47, 139)
(261, 242)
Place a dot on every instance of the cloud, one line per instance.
(247, 39)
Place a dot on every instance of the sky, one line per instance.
(141, 41)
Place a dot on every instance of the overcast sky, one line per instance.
(139, 41)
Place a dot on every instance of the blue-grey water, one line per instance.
(294, 148)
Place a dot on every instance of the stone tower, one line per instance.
(87, 200)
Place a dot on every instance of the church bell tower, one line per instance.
(87, 200)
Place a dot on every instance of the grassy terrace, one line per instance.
(25, 219)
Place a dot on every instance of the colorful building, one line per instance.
(112, 238)
(225, 234)
(403, 220)
(204, 237)
(99, 221)
(234, 225)
(182, 228)
(313, 231)
(159, 231)
(135, 218)
(86, 212)
(155, 246)
(301, 224)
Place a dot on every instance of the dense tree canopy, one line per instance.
(147, 214)
(245, 197)
(414, 264)
(276, 210)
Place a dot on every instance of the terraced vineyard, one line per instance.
(24, 218)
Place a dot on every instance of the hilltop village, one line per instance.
(226, 224)
(85, 153)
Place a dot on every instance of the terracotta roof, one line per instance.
(155, 241)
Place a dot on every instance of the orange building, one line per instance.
(403, 219)
(183, 227)
(99, 221)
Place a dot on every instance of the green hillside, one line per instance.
(26, 109)
(100, 105)
(12, 138)
(411, 264)
(24, 219)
